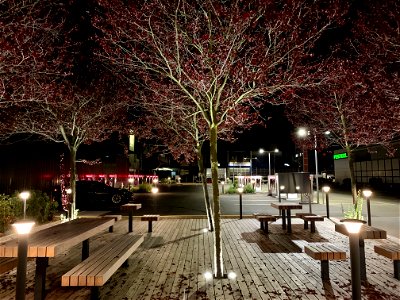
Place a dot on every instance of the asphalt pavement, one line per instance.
(187, 199)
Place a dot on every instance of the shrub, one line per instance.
(39, 208)
(144, 188)
(10, 210)
(248, 189)
(355, 212)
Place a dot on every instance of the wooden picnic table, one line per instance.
(285, 208)
(366, 232)
(55, 240)
(130, 208)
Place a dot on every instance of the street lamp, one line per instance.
(326, 190)
(353, 227)
(23, 229)
(367, 194)
(240, 191)
(302, 132)
(24, 196)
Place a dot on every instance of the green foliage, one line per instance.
(39, 208)
(248, 189)
(355, 212)
(144, 188)
(10, 210)
(232, 189)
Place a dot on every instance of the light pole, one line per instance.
(23, 229)
(353, 227)
(367, 194)
(302, 132)
(240, 191)
(24, 196)
(326, 190)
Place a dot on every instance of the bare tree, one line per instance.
(215, 56)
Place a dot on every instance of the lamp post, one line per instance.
(302, 132)
(326, 190)
(367, 194)
(23, 229)
(262, 151)
(353, 227)
(240, 191)
(24, 196)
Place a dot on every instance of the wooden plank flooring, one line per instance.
(173, 258)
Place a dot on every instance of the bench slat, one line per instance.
(101, 265)
(324, 251)
(391, 251)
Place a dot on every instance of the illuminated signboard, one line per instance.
(340, 156)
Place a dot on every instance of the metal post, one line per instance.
(369, 211)
(355, 266)
(316, 166)
(21, 268)
(240, 204)
(327, 204)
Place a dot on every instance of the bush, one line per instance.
(144, 188)
(10, 210)
(39, 208)
(355, 212)
(248, 189)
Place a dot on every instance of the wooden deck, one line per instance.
(171, 262)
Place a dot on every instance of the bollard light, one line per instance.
(367, 195)
(326, 190)
(24, 196)
(23, 229)
(281, 188)
(353, 227)
(223, 186)
(240, 191)
(154, 190)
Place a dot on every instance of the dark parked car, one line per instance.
(94, 195)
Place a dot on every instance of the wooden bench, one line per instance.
(150, 219)
(116, 218)
(7, 264)
(312, 218)
(324, 252)
(100, 266)
(264, 219)
(391, 251)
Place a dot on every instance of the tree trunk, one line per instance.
(218, 260)
(73, 151)
(352, 174)
(203, 176)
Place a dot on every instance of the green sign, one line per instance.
(340, 156)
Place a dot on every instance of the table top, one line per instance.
(131, 207)
(51, 241)
(366, 232)
(287, 205)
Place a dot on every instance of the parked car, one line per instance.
(94, 195)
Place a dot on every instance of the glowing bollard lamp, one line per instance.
(367, 194)
(240, 191)
(23, 229)
(326, 190)
(24, 196)
(353, 227)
